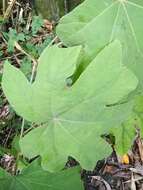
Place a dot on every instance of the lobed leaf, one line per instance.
(74, 117)
(32, 101)
(35, 178)
(125, 134)
(95, 23)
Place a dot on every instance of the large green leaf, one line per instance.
(35, 178)
(96, 23)
(125, 134)
(30, 101)
(76, 116)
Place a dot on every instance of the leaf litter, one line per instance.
(112, 174)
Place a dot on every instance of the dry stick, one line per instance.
(9, 9)
(29, 21)
(102, 180)
(7, 137)
(17, 45)
(29, 129)
(4, 6)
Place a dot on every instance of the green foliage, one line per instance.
(96, 23)
(125, 133)
(24, 37)
(14, 37)
(104, 57)
(70, 131)
(34, 178)
(36, 24)
(26, 67)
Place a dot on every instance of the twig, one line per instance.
(29, 129)
(9, 9)
(98, 178)
(29, 21)
(17, 45)
(7, 137)
(133, 185)
(4, 6)
(22, 128)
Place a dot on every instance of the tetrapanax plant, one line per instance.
(72, 118)
(34, 178)
(96, 23)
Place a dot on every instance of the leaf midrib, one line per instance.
(123, 4)
(94, 18)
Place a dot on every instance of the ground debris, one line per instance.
(113, 174)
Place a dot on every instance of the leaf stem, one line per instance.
(22, 128)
